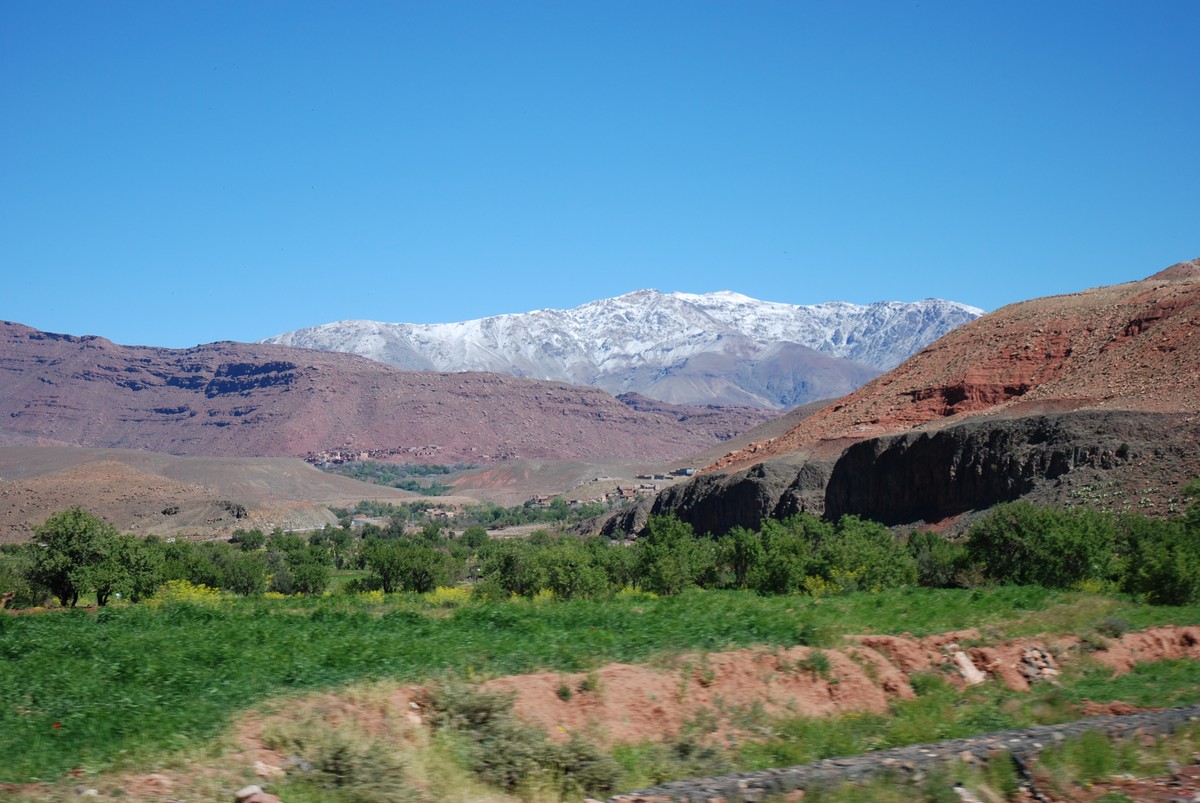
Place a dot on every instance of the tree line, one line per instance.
(74, 553)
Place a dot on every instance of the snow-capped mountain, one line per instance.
(723, 348)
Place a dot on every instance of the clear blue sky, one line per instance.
(173, 173)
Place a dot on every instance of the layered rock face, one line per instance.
(1089, 398)
(231, 399)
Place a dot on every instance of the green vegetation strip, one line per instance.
(97, 690)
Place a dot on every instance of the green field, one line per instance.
(118, 687)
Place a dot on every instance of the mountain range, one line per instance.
(252, 400)
(716, 348)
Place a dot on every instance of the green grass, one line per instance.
(136, 681)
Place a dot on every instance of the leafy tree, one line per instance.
(248, 540)
(1023, 544)
(788, 548)
(185, 560)
(1163, 560)
(939, 560)
(670, 556)
(280, 541)
(570, 570)
(246, 574)
(618, 561)
(108, 575)
(865, 555)
(66, 548)
(474, 536)
(740, 550)
(403, 565)
(309, 570)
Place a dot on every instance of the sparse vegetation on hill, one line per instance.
(399, 475)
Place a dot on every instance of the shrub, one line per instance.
(354, 766)
(1022, 544)
(670, 556)
(502, 750)
(787, 548)
(939, 562)
(1163, 561)
(184, 592)
(864, 555)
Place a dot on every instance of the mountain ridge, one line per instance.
(255, 400)
(686, 348)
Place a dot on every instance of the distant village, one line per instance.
(343, 455)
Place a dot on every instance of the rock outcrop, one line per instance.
(1092, 398)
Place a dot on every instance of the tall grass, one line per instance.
(98, 690)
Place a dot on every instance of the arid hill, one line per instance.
(1088, 397)
(232, 399)
(1133, 346)
(151, 493)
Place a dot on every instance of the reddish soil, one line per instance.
(1132, 346)
(728, 691)
(634, 703)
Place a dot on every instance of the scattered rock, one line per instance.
(970, 674)
(264, 770)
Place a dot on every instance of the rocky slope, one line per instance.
(234, 399)
(721, 348)
(1093, 396)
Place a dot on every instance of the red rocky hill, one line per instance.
(1128, 347)
(234, 399)
(1090, 398)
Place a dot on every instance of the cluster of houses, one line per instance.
(679, 472)
(340, 456)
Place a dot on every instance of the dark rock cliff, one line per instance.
(1113, 460)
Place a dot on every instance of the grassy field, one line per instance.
(126, 685)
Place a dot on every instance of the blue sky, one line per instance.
(183, 172)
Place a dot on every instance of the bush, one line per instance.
(1021, 544)
(670, 558)
(864, 555)
(787, 548)
(1163, 561)
(940, 563)
(504, 751)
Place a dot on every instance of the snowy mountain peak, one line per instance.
(721, 347)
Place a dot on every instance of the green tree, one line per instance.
(670, 556)
(939, 560)
(788, 548)
(570, 570)
(740, 550)
(510, 567)
(1162, 562)
(109, 574)
(248, 540)
(474, 537)
(66, 548)
(246, 574)
(309, 570)
(1023, 544)
(403, 565)
(864, 555)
